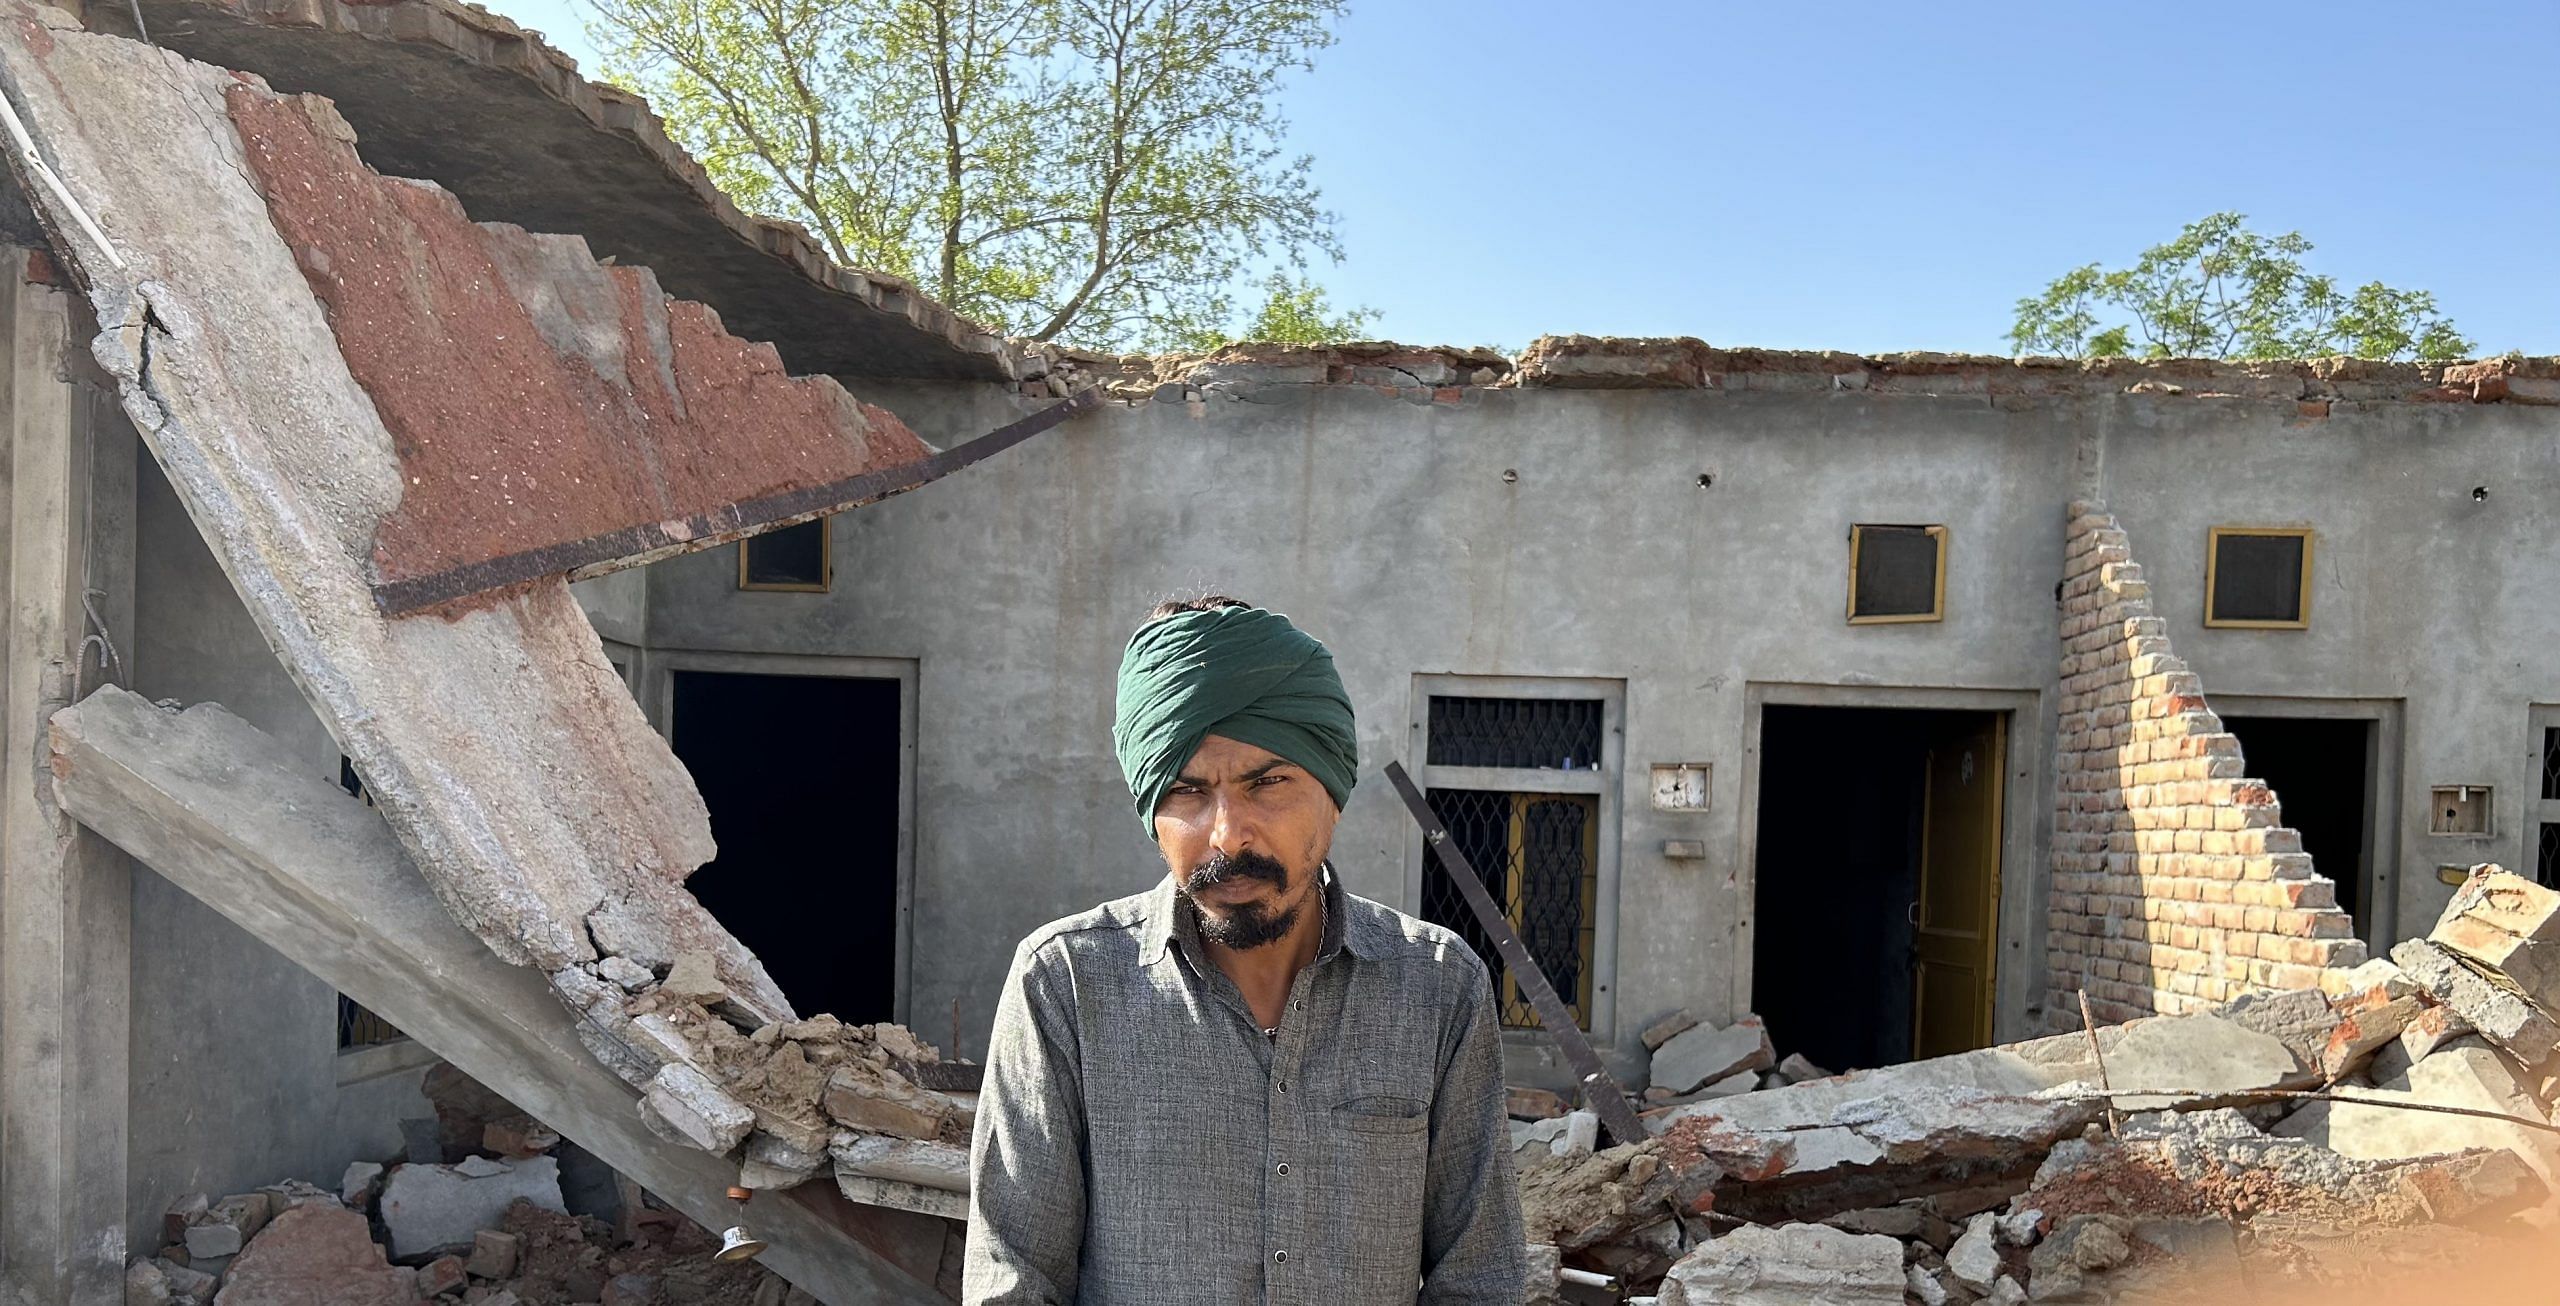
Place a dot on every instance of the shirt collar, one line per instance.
(1168, 917)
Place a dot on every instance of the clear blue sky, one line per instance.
(1877, 177)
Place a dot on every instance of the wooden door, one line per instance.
(1956, 920)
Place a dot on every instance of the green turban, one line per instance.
(1239, 672)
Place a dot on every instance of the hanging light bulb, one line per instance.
(737, 1244)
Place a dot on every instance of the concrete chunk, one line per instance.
(1796, 1069)
(684, 1106)
(1664, 1030)
(2464, 1073)
(362, 1180)
(493, 1254)
(1703, 1054)
(905, 1160)
(2509, 924)
(2370, 1022)
(2501, 1015)
(1975, 1259)
(145, 1285)
(316, 1256)
(2432, 1029)
(772, 1163)
(1788, 1265)
(425, 1207)
(187, 1285)
(2080, 1246)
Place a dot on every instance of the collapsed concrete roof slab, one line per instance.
(230, 815)
(451, 93)
(500, 744)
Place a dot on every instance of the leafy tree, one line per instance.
(1295, 311)
(2221, 290)
(1094, 172)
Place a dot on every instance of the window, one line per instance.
(792, 558)
(2258, 578)
(1525, 783)
(1897, 573)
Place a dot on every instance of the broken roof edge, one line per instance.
(494, 42)
(1581, 362)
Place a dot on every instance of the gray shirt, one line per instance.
(1140, 1142)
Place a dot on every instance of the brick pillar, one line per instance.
(2175, 883)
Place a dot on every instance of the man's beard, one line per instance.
(1245, 924)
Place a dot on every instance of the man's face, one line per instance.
(1243, 832)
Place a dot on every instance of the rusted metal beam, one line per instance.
(631, 546)
(1599, 1087)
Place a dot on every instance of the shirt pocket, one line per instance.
(1385, 1115)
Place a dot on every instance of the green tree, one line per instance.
(1295, 311)
(2221, 290)
(1095, 172)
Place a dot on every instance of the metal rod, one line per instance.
(597, 555)
(2185, 1099)
(62, 194)
(2115, 1123)
(1599, 1088)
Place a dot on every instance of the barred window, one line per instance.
(1524, 785)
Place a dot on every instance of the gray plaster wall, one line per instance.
(1389, 529)
(237, 1079)
(2422, 594)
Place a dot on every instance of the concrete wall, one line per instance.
(236, 1075)
(2422, 595)
(1389, 528)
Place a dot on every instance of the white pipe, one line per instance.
(1589, 1279)
(61, 193)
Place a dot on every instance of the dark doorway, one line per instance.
(2321, 769)
(1877, 877)
(801, 774)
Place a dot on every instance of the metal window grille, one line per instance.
(2546, 862)
(358, 1027)
(1539, 856)
(1538, 850)
(1558, 733)
(2551, 762)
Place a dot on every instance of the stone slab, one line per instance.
(315, 1256)
(2465, 1073)
(498, 742)
(2499, 1013)
(1703, 1054)
(424, 1207)
(231, 816)
(1788, 1265)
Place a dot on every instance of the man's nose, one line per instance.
(1229, 831)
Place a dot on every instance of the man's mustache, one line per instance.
(1218, 868)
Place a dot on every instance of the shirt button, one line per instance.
(1284, 1167)
(1280, 1258)
(1284, 1086)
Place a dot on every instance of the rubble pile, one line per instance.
(487, 1234)
(792, 1098)
(2395, 1120)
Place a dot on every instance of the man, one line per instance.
(1244, 1085)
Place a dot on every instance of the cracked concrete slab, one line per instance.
(499, 742)
(233, 817)
(553, 151)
